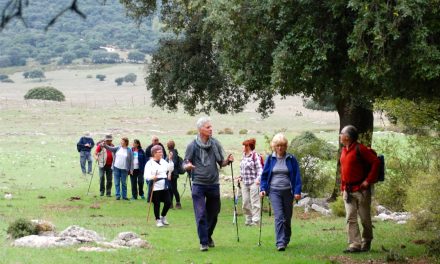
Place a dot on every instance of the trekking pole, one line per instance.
(184, 185)
(261, 220)
(270, 209)
(151, 199)
(235, 204)
(91, 178)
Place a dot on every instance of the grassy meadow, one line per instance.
(38, 158)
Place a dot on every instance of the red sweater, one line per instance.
(109, 159)
(353, 168)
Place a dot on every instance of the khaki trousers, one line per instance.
(251, 203)
(360, 205)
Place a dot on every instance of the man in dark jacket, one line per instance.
(356, 184)
(84, 146)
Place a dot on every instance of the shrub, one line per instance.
(228, 131)
(338, 207)
(316, 160)
(3, 77)
(131, 77)
(21, 227)
(89, 76)
(243, 131)
(433, 248)
(45, 93)
(192, 132)
(7, 80)
(100, 77)
(221, 132)
(119, 81)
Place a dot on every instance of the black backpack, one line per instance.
(381, 157)
(180, 169)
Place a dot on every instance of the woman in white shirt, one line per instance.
(159, 171)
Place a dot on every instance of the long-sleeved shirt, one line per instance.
(83, 141)
(160, 169)
(250, 168)
(354, 169)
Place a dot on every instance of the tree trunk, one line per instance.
(360, 116)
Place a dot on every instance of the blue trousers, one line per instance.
(206, 202)
(282, 204)
(85, 156)
(120, 178)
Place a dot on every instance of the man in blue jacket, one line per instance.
(84, 146)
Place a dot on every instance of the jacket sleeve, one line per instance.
(112, 149)
(142, 159)
(148, 171)
(79, 145)
(374, 162)
(92, 144)
(265, 175)
(297, 174)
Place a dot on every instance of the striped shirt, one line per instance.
(250, 168)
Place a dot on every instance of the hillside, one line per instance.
(72, 37)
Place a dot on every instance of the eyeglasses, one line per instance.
(281, 146)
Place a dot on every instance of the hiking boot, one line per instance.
(171, 206)
(178, 206)
(281, 248)
(366, 246)
(203, 247)
(108, 195)
(118, 198)
(102, 194)
(164, 220)
(159, 223)
(125, 198)
(351, 250)
(142, 197)
(211, 243)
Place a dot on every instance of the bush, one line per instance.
(45, 93)
(338, 207)
(228, 131)
(243, 132)
(192, 132)
(89, 76)
(316, 160)
(100, 77)
(433, 248)
(7, 80)
(119, 80)
(21, 227)
(3, 77)
(131, 77)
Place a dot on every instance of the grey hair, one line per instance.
(351, 132)
(202, 121)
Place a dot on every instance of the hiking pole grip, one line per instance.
(235, 204)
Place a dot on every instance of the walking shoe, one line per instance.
(255, 223)
(211, 243)
(164, 220)
(203, 247)
(366, 246)
(142, 197)
(281, 248)
(171, 206)
(102, 194)
(109, 195)
(159, 223)
(118, 198)
(125, 198)
(178, 206)
(352, 250)
(132, 198)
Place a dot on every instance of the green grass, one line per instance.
(39, 157)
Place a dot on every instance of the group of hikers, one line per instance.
(277, 177)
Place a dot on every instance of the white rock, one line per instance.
(44, 241)
(95, 249)
(381, 209)
(8, 196)
(401, 222)
(320, 209)
(304, 202)
(81, 234)
(137, 243)
(383, 217)
(127, 236)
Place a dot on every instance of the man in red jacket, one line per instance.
(359, 171)
(105, 161)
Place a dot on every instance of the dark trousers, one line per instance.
(206, 202)
(282, 204)
(173, 190)
(162, 196)
(137, 183)
(105, 175)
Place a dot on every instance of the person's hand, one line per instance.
(364, 185)
(262, 193)
(189, 166)
(170, 156)
(87, 145)
(297, 197)
(239, 179)
(230, 158)
(257, 182)
(131, 172)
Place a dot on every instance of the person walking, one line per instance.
(281, 180)
(84, 147)
(122, 166)
(154, 141)
(104, 158)
(137, 178)
(203, 157)
(250, 170)
(356, 185)
(174, 191)
(158, 171)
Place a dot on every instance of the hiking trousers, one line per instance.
(360, 204)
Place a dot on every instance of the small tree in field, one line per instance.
(45, 93)
(34, 74)
(119, 81)
(131, 77)
(100, 77)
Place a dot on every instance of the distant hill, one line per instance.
(72, 37)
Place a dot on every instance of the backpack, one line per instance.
(261, 159)
(180, 169)
(381, 170)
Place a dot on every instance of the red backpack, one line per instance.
(261, 159)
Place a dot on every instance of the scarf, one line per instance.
(204, 148)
